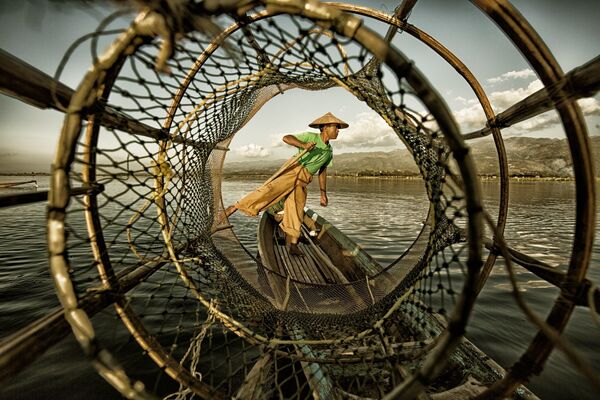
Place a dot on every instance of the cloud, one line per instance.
(506, 98)
(252, 151)
(538, 123)
(472, 116)
(276, 140)
(368, 130)
(589, 106)
(461, 99)
(523, 74)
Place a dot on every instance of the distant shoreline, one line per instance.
(24, 174)
(234, 176)
(414, 177)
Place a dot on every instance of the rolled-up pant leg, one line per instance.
(294, 213)
(294, 207)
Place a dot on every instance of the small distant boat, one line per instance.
(5, 185)
(331, 259)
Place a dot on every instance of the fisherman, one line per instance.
(289, 183)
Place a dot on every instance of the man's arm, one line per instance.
(293, 141)
(323, 186)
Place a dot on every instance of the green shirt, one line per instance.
(319, 157)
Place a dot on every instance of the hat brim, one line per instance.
(341, 124)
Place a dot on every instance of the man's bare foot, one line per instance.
(295, 250)
(230, 210)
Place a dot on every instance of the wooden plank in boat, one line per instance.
(302, 267)
(278, 265)
(311, 268)
(280, 261)
(324, 275)
(290, 266)
(313, 265)
(330, 275)
(275, 282)
(323, 260)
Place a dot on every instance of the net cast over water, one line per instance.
(197, 314)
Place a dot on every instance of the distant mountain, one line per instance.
(533, 157)
(528, 157)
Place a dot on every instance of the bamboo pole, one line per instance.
(32, 86)
(23, 347)
(583, 81)
(17, 199)
(401, 13)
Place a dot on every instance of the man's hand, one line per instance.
(324, 200)
(309, 146)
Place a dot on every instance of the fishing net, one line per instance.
(195, 312)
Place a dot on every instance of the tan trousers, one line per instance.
(291, 185)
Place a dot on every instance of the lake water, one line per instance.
(384, 216)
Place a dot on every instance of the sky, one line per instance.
(40, 33)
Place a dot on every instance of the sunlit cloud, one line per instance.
(503, 99)
(368, 130)
(252, 151)
(589, 106)
(472, 117)
(522, 74)
(461, 99)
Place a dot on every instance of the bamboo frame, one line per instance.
(350, 26)
(524, 37)
(100, 76)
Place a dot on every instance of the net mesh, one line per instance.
(195, 312)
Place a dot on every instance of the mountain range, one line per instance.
(527, 157)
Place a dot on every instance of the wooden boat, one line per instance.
(331, 258)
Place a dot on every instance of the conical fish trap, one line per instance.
(196, 313)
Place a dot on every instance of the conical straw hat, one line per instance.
(328, 118)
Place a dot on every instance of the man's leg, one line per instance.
(293, 216)
(266, 195)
